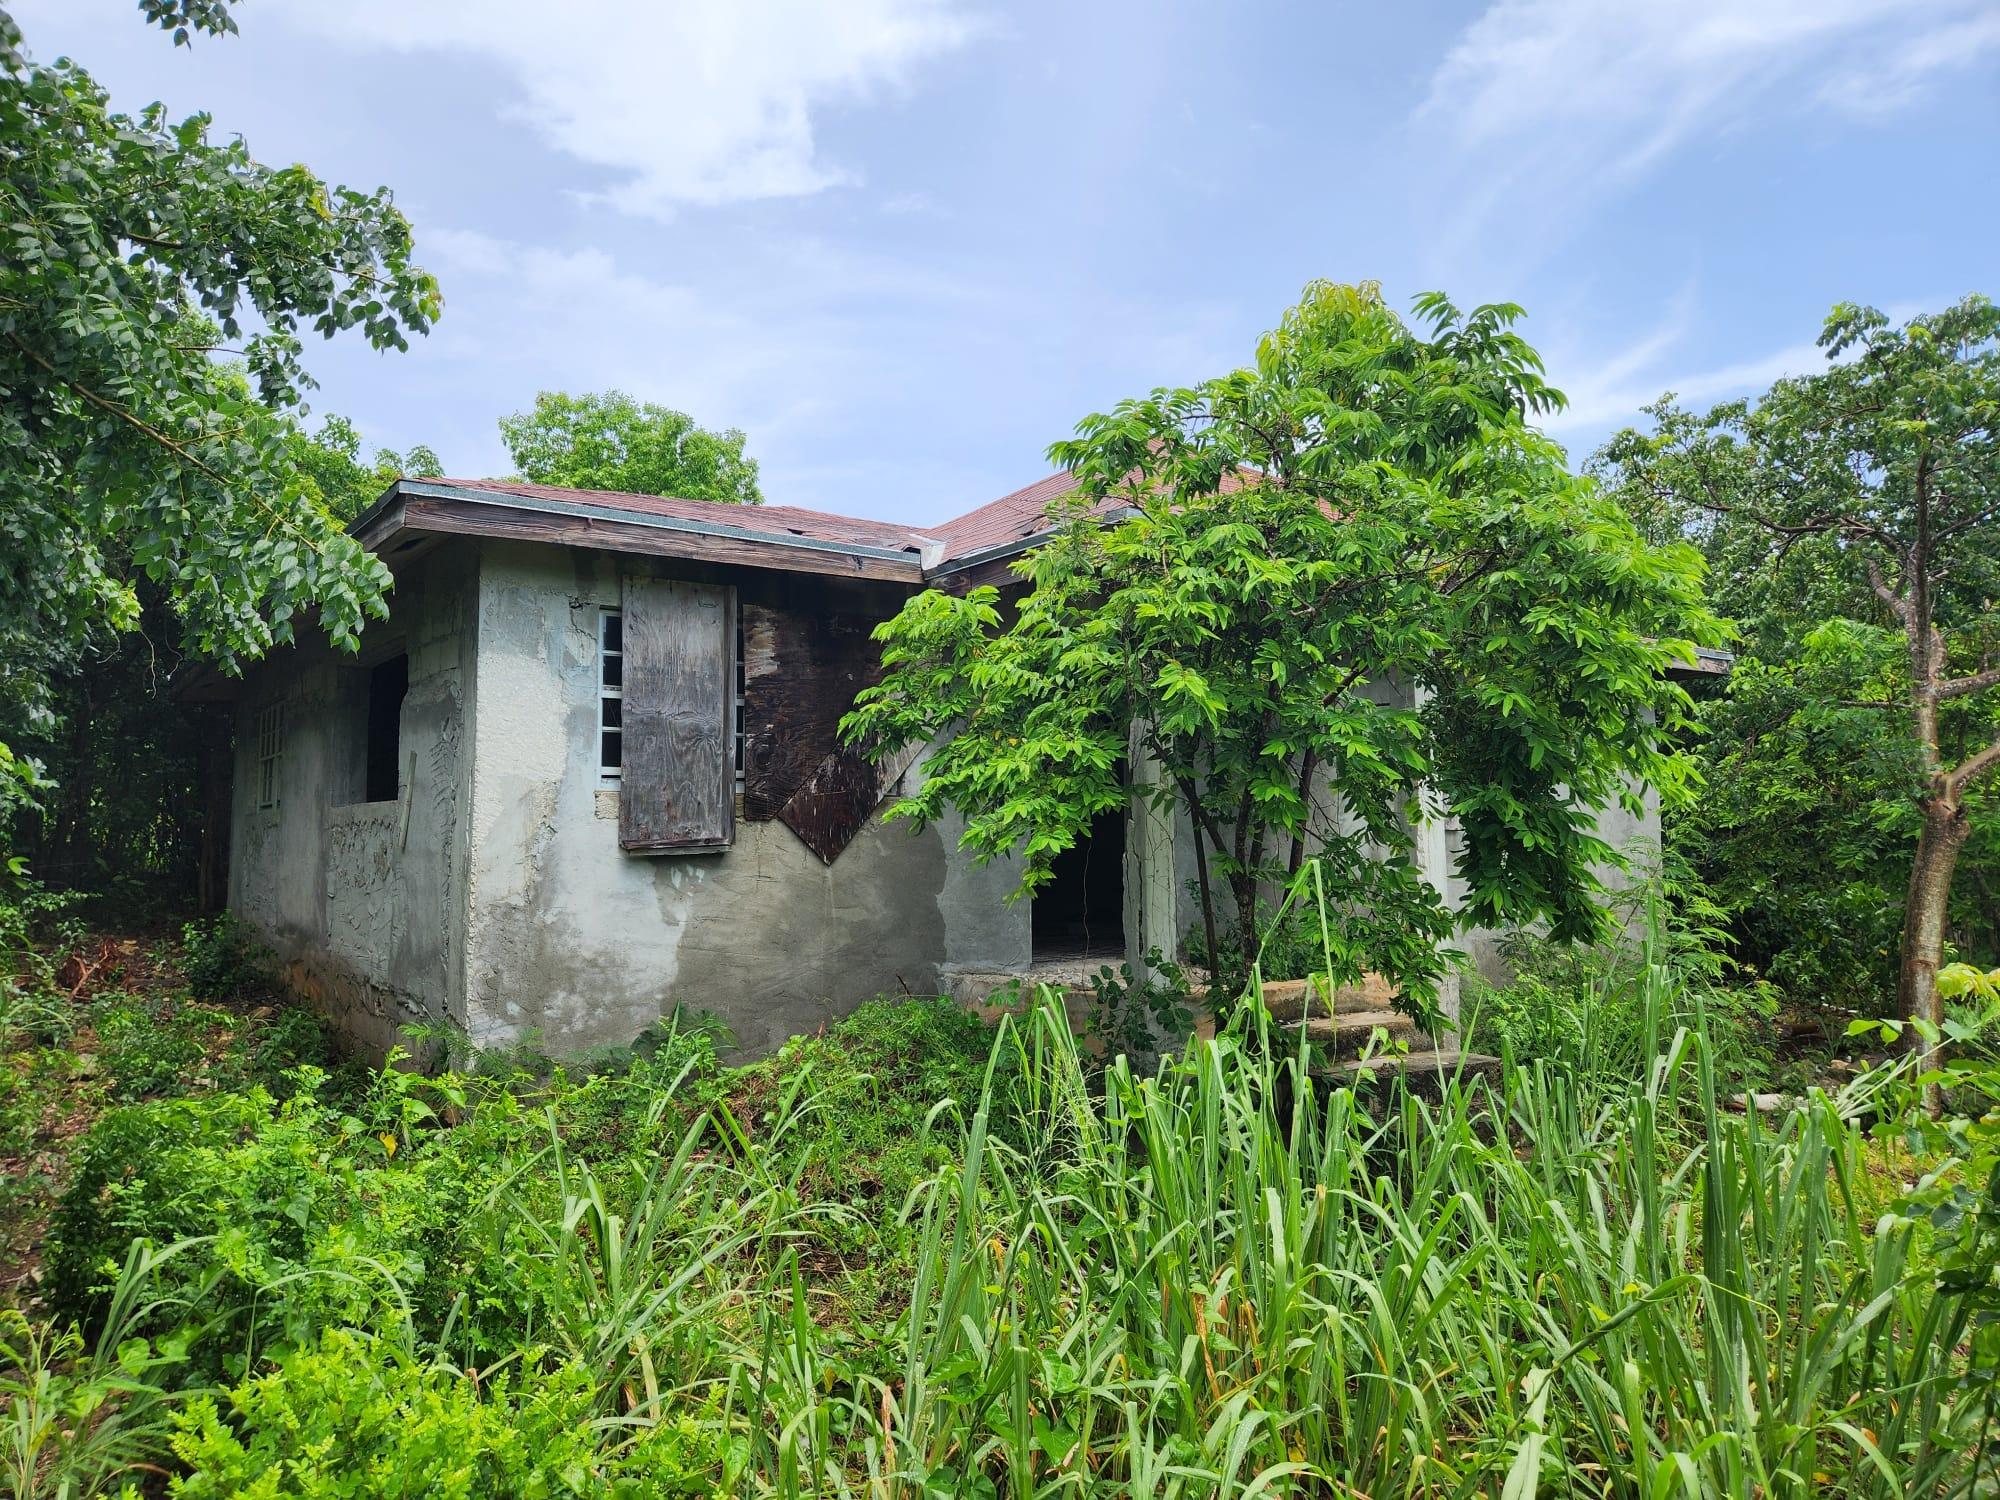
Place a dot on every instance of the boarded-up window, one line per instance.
(677, 788)
(802, 667)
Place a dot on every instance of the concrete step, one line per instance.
(1427, 1072)
(1347, 1032)
(1288, 999)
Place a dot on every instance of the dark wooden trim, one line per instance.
(504, 522)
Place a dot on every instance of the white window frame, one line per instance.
(270, 753)
(611, 775)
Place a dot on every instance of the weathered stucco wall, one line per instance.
(492, 891)
(1636, 836)
(363, 902)
(1438, 842)
(575, 944)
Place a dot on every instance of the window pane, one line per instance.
(614, 633)
(614, 713)
(613, 751)
(614, 671)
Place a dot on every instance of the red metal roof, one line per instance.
(1024, 514)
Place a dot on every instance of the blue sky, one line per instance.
(904, 244)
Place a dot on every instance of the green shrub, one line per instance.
(1286, 945)
(37, 926)
(151, 1045)
(1586, 1010)
(161, 1045)
(355, 1417)
(1140, 1017)
(915, 1256)
(308, 1215)
(222, 957)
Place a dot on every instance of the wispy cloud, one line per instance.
(694, 102)
(1891, 82)
(1613, 393)
(792, 342)
(1613, 390)
(1573, 96)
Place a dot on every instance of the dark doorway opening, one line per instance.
(388, 682)
(1080, 913)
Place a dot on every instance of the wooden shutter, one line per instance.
(835, 802)
(677, 790)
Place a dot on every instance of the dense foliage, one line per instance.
(1853, 518)
(1352, 590)
(918, 1256)
(331, 458)
(608, 441)
(132, 452)
(159, 500)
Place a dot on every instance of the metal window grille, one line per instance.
(270, 752)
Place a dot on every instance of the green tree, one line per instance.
(1880, 478)
(608, 441)
(1354, 590)
(1808, 815)
(331, 457)
(129, 449)
(128, 445)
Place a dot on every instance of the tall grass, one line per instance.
(1221, 1276)
(1226, 1279)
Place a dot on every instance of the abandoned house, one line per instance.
(469, 821)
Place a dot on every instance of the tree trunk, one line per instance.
(1925, 913)
(1308, 763)
(1244, 886)
(1207, 906)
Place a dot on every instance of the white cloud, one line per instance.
(1611, 394)
(1889, 83)
(691, 102)
(1584, 91)
(793, 340)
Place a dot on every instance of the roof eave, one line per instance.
(424, 506)
(998, 551)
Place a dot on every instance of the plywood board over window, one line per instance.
(677, 784)
(802, 668)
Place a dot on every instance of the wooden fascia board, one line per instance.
(462, 513)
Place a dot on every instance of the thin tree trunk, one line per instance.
(1244, 885)
(1309, 763)
(1198, 821)
(1207, 905)
(1925, 913)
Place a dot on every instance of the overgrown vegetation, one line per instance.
(1341, 591)
(1345, 590)
(918, 1255)
(605, 440)
(1852, 520)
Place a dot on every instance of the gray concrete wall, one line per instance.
(363, 902)
(1438, 840)
(574, 944)
(1635, 835)
(492, 892)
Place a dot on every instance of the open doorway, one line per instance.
(1080, 913)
